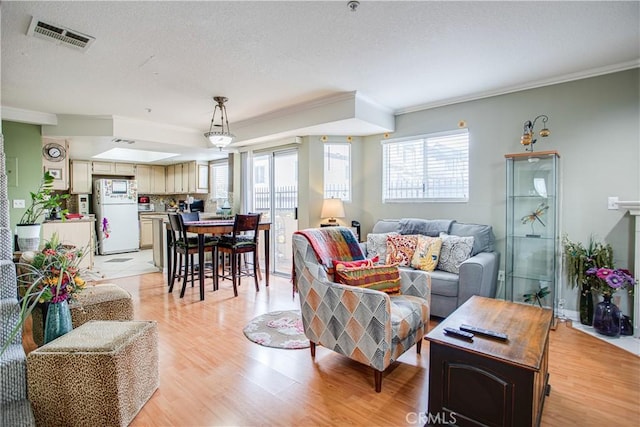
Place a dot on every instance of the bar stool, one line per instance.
(243, 240)
(182, 245)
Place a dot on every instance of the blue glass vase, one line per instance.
(606, 318)
(58, 321)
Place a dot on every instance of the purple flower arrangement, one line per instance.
(606, 281)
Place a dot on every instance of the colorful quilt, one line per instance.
(333, 243)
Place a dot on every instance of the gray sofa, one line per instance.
(477, 275)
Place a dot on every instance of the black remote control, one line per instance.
(458, 333)
(487, 333)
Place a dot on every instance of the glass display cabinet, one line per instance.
(532, 235)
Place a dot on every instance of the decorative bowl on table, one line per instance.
(73, 216)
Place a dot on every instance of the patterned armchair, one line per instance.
(366, 325)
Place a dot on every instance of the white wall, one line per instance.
(595, 126)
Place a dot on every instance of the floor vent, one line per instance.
(58, 34)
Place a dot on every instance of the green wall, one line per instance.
(22, 142)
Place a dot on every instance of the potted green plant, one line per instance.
(44, 199)
(580, 259)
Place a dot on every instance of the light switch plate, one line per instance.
(18, 203)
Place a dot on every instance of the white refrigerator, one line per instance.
(115, 203)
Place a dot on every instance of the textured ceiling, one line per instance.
(172, 57)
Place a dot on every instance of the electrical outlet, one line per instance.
(501, 276)
(18, 203)
(612, 203)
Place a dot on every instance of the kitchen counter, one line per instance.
(89, 218)
(158, 230)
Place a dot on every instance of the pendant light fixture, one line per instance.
(222, 136)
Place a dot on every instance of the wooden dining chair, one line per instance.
(243, 240)
(183, 245)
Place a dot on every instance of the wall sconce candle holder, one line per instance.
(528, 134)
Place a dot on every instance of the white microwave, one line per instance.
(145, 207)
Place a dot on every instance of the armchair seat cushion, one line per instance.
(409, 315)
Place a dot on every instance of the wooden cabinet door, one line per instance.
(185, 179)
(143, 176)
(158, 180)
(81, 177)
(128, 169)
(171, 186)
(146, 233)
(107, 168)
(178, 185)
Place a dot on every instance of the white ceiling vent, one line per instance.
(58, 34)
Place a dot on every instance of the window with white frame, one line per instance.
(337, 171)
(426, 168)
(220, 182)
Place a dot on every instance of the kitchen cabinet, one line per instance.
(107, 168)
(79, 233)
(170, 180)
(189, 177)
(128, 169)
(143, 178)
(81, 182)
(55, 160)
(158, 180)
(146, 232)
(181, 179)
(111, 168)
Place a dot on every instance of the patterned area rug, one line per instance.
(278, 329)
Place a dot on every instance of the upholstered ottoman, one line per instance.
(99, 374)
(100, 302)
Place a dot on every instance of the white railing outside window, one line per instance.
(220, 182)
(337, 171)
(426, 168)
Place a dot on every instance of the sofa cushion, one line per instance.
(427, 253)
(483, 239)
(386, 226)
(455, 250)
(426, 227)
(400, 249)
(444, 283)
(385, 278)
(377, 245)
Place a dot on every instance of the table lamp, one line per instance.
(332, 209)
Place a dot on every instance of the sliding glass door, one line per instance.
(275, 195)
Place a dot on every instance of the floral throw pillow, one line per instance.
(427, 253)
(454, 251)
(377, 245)
(400, 249)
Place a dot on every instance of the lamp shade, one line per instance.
(332, 209)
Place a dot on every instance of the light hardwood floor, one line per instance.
(210, 374)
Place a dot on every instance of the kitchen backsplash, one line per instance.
(159, 202)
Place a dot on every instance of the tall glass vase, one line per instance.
(58, 321)
(586, 306)
(606, 318)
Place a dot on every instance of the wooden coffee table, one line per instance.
(486, 381)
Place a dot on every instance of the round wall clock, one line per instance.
(54, 152)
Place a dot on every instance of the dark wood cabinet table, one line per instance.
(487, 381)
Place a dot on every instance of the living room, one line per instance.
(595, 127)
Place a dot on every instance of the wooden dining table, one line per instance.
(219, 227)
